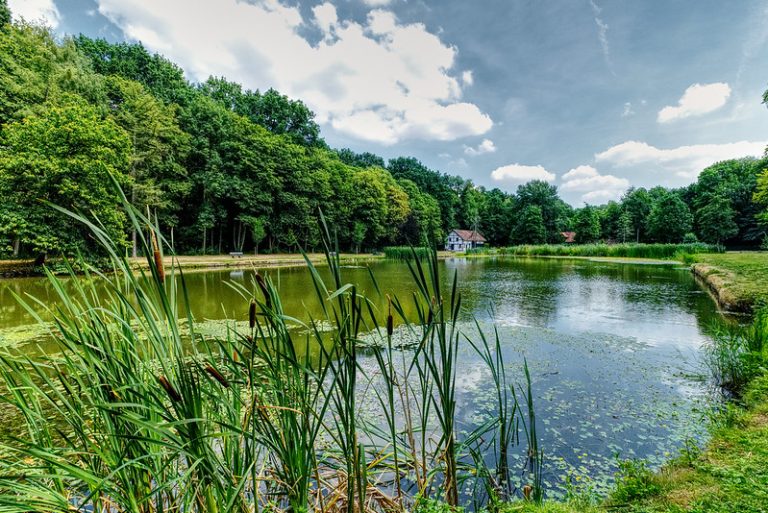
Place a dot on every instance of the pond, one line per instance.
(614, 349)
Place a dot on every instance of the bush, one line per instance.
(637, 482)
(690, 238)
(629, 250)
(406, 253)
(737, 354)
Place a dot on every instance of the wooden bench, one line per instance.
(238, 254)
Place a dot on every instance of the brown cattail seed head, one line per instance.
(527, 492)
(172, 393)
(252, 314)
(264, 290)
(390, 320)
(158, 258)
(217, 376)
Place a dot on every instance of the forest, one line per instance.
(223, 168)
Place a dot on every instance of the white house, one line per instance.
(462, 240)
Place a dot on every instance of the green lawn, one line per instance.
(741, 278)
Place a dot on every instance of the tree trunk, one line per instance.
(40, 259)
(16, 247)
(205, 238)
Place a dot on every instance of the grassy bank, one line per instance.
(739, 280)
(656, 251)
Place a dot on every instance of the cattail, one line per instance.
(172, 393)
(527, 492)
(264, 290)
(252, 314)
(431, 309)
(217, 376)
(234, 355)
(390, 320)
(158, 258)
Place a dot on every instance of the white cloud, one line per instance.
(518, 173)
(377, 3)
(684, 161)
(325, 16)
(627, 110)
(593, 186)
(602, 31)
(380, 80)
(698, 99)
(486, 146)
(467, 78)
(36, 10)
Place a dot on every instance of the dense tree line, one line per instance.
(228, 169)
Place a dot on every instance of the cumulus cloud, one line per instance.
(519, 174)
(36, 10)
(379, 80)
(684, 161)
(698, 99)
(486, 146)
(628, 111)
(377, 3)
(593, 186)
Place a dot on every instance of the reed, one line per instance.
(406, 253)
(658, 251)
(135, 411)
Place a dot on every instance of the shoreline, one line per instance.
(718, 283)
(195, 263)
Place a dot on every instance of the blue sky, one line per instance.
(591, 95)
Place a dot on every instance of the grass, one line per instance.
(130, 413)
(656, 251)
(737, 278)
(406, 253)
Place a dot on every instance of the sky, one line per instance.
(593, 96)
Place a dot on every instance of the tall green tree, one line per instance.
(158, 150)
(530, 227)
(637, 203)
(68, 156)
(736, 181)
(670, 218)
(587, 225)
(716, 220)
(554, 211)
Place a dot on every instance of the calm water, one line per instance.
(614, 349)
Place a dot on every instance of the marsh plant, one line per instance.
(738, 353)
(135, 411)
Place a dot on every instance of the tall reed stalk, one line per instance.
(135, 411)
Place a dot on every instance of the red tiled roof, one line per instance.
(470, 235)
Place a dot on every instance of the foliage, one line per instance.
(405, 252)
(670, 218)
(738, 354)
(530, 226)
(68, 155)
(587, 225)
(716, 220)
(207, 158)
(658, 251)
